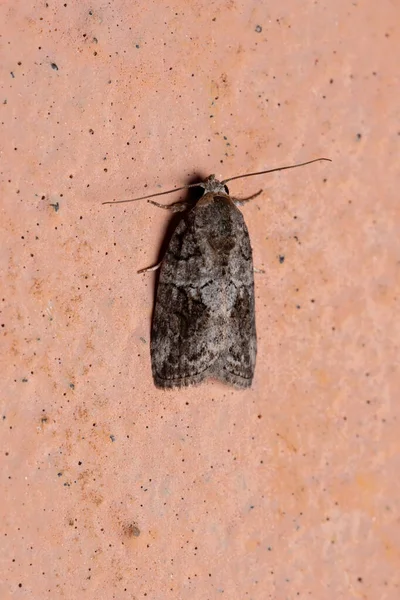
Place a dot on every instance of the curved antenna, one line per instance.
(185, 187)
(201, 183)
(276, 169)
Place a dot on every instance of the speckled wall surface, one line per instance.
(109, 487)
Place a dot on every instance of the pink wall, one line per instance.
(111, 488)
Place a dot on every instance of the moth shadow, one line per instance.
(191, 197)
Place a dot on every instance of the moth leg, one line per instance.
(148, 269)
(176, 207)
(241, 201)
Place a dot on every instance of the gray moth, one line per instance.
(204, 319)
(204, 315)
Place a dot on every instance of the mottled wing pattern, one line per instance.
(203, 323)
(238, 363)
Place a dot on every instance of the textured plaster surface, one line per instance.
(109, 487)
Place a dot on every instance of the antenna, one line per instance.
(276, 169)
(185, 187)
(201, 184)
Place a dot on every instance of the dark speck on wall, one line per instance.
(132, 530)
(281, 258)
(54, 66)
(258, 29)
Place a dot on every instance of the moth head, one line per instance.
(212, 185)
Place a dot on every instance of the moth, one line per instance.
(204, 316)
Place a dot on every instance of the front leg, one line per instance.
(175, 207)
(241, 201)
